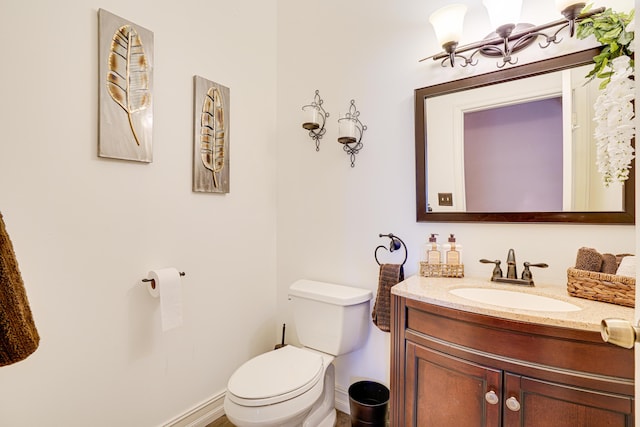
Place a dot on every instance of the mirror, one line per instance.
(463, 119)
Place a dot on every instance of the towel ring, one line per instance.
(394, 245)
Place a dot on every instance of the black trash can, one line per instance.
(368, 402)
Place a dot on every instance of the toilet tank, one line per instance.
(330, 318)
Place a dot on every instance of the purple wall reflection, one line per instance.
(513, 158)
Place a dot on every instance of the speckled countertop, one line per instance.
(435, 290)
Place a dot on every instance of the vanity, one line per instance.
(458, 361)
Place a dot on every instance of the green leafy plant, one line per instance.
(610, 30)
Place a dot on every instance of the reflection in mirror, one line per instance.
(516, 147)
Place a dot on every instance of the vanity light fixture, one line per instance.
(315, 118)
(509, 35)
(350, 130)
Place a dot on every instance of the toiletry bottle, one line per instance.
(452, 251)
(433, 251)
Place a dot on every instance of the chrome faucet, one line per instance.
(512, 272)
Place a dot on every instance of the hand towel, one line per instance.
(609, 264)
(620, 257)
(627, 267)
(18, 334)
(390, 275)
(588, 259)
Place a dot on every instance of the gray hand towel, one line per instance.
(390, 275)
(18, 334)
(609, 264)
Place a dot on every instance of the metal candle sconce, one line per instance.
(350, 130)
(315, 119)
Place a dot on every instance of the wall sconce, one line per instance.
(315, 118)
(508, 37)
(350, 130)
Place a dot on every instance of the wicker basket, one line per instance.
(620, 290)
(441, 270)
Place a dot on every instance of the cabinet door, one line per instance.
(534, 403)
(441, 390)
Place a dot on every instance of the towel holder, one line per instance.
(153, 282)
(394, 245)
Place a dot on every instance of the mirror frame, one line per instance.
(626, 216)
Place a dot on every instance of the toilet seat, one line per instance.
(275, 376)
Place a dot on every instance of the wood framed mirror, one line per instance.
(567, 206)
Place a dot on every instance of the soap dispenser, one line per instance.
(432, 252)
(452, 251)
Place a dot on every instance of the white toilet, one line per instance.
(295, 386)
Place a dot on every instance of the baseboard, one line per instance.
(213, 408)
(342, 400)
(202, 414)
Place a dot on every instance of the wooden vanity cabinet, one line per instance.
(459, 369)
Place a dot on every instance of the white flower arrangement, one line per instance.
(614, 110)
(614, 113)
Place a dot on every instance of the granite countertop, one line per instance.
(435, 290)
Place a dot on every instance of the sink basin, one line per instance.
(513, 299)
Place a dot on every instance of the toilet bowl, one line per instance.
(295, 386)
(283, 387)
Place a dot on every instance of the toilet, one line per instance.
(295, 386)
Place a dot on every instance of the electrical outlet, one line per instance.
(445, 199)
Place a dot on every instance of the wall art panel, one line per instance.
(211, 137)
(126, 89)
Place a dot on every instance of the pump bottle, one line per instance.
(452, 251)
(433, 255)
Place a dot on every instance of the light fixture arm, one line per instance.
(450, 48)
(572, 13)
(510, 39)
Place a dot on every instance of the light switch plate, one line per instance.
(445, 199)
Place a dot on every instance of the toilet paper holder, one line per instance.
(153, 282)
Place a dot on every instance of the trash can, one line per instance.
(368, 402)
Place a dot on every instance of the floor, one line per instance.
(343, 421)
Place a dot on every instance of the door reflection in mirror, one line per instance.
(513, 157)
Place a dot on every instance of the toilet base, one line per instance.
(329, 421)
(323, 412)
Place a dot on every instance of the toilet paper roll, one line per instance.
(168, 289)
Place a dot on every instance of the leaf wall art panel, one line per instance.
(211, 137)
(126, 89)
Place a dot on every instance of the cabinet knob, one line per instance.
(491, 397)
(513, 404)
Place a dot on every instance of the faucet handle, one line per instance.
(540, 264)
(526, 274)
(497, 271)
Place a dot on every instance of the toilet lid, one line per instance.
(276, 376)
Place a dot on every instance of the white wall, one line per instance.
(86, 230)
(329, 214)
